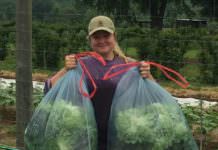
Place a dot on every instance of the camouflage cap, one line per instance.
(101, 23)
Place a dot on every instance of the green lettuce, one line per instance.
(156, 126)
(68, 127)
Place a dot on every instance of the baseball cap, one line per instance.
(101, 23)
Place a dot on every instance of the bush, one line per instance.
(47, 48)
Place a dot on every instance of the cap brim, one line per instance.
(101, 28)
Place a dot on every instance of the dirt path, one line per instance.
(7, 133)
(207, 93)
(35, 76)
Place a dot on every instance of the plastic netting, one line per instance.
(144, 116)
(64, 119)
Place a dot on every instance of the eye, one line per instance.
(101, 34)
(106, 36)
(95, 37)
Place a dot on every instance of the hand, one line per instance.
(70, 62)
(145, 70)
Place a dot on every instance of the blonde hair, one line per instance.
(119, 52)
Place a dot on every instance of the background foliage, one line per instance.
(146, 30)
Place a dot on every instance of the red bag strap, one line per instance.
(86, 71)
(183, 82)
(92, 54)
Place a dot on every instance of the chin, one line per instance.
(103, 51)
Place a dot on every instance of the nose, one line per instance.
(101, 39)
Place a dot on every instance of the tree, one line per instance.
(157, 12)
(47, 48)
(210, 8)
(42, 8)
(7, 9)
(3, 40)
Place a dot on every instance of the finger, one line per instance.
(70, 56)
(70, 63)
(73, 60)
(70, 66)
(144, 68)
(67, 57)
(143, 62)
(145, 75)
(145, 65)
(70, 60)
(145, 72)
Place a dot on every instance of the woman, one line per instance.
(102, 38)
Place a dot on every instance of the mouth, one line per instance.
(102, 45)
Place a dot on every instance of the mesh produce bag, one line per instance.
(64, 119)
(144, 116)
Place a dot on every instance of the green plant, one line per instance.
(205, 119)
(67, 127)
(158, 126)
(8, 95)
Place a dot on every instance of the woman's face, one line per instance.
(102, 42)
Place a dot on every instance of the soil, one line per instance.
(35, 76)
(7, 133)
(207, 93)
(7, 125)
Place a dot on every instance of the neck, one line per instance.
(108, 56)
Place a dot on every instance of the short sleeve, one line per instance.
(47, 86)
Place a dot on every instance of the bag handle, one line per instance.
(86, 71)
(182, 82)
(92, 54)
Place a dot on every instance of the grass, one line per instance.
(192, 54)
(8, 64)
(131, 52)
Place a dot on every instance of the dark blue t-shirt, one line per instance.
(102, 99)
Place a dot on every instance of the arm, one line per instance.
(57, 76)
(49, 83)
(70, 63)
